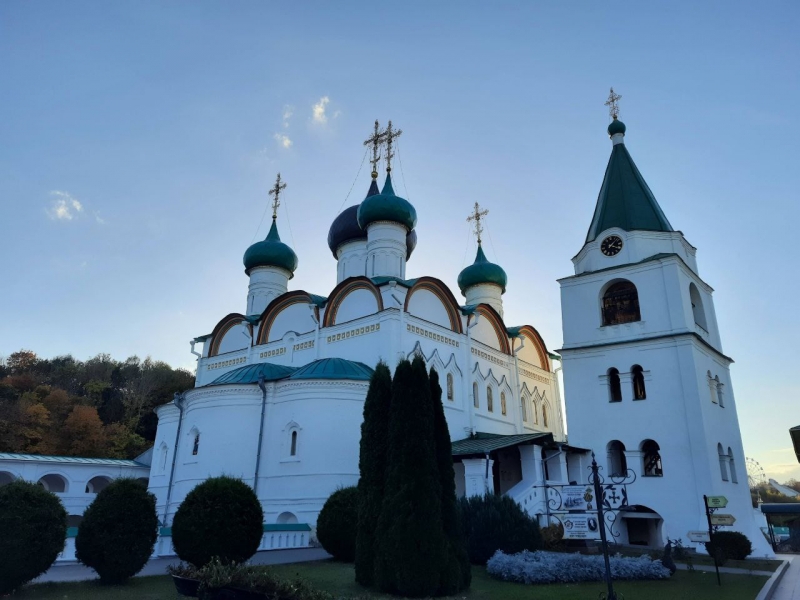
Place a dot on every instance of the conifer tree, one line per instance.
(372, 466)
(457, 573)
(410, 546)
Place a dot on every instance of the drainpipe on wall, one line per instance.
(178, 400)
(262, 384)
(467, 371)
(316, 332)
(517, 387)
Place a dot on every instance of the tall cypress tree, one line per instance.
(372, 466)
(457, 573)
(410, 546)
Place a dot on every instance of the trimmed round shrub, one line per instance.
(729, 545)
(221, 517)
(336, 529)
(118, 531)
(494, 522)
(33, 528)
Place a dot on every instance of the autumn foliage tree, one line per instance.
(98, 407)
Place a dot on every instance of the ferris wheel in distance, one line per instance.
(755, 474)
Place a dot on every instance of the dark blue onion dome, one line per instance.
(271, 252)
(387, 206)
(616, 126)
(482, 271)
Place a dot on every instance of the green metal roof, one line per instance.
(75, 460)
(794, 432)
(385, 279)
(334, 368)
(482, 271)
(625, 200)
(271, 252)
(387, 206)
(782, 508)
(483, 443)
(252, 373)
(318, 300)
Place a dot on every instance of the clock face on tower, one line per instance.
(611, 245)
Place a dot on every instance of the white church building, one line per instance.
(281, 380)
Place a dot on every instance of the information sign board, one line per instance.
(699, 536)
(723, 520)
(580, 527)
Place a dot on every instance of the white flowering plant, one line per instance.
(557, 567)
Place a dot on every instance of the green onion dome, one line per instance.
(386, 206)
(480, 272)
(616, 126)
(271, 252)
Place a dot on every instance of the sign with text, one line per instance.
(699, 536)
(581, 527)
(577, 497)
(717, 502)
(723, 520)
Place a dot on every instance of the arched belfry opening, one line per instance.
(621, 304)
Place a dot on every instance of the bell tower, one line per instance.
(647, 382)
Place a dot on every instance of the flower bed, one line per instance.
(555, 567)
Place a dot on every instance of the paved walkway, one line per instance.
(789, 587)
(710, 569)
(73, 571)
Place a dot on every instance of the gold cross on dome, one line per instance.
(476, 216)
(390, 135)
(375, 141)
(276, 191)
(612, 104)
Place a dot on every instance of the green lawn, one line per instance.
(338, 578)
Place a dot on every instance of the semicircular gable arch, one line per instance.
(345, 288)
(277, 306)
(223, 327)
(445, 296)
(491, 315)
(536, 340)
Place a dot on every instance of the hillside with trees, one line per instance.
(98, 407)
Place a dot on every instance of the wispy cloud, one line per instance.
(283, 140)
(63, 206)
(318, 111)
(100, 220)
(288, 111)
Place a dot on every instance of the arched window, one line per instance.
(293, 449)
(651, 457)
(524, 408)
(503, 402)
(476, 401)
(718, 387)
(163, 461)
(734, 477)
(614, 386)
(196, 443)
(450, 386)
(617, 463)
(53, 483)
(97, 484)
(489, 400)
(286, 518)
(6, 477)
(637, 378)
(723, 462)
(621, 304)
(544, 414)
(697, 307)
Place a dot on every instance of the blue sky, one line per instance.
(138, 142)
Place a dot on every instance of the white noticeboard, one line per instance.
(578, 497)
(581, 527)
(698, 536)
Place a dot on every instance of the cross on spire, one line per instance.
(375, 141)
(390, 135)
(612, 104)
(476, 216)
(276, 191)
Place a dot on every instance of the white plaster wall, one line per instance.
(484, 333)
(486, 293)
(297, 318)
(236, 338)
(386, 250)
(426, 305)
(266, 284)
(352, 260)
(356, 304)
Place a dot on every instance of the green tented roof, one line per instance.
(794, 432)
(333, 368)
(625, 200)
(252, 373)
(483, 443)
(75, 460)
